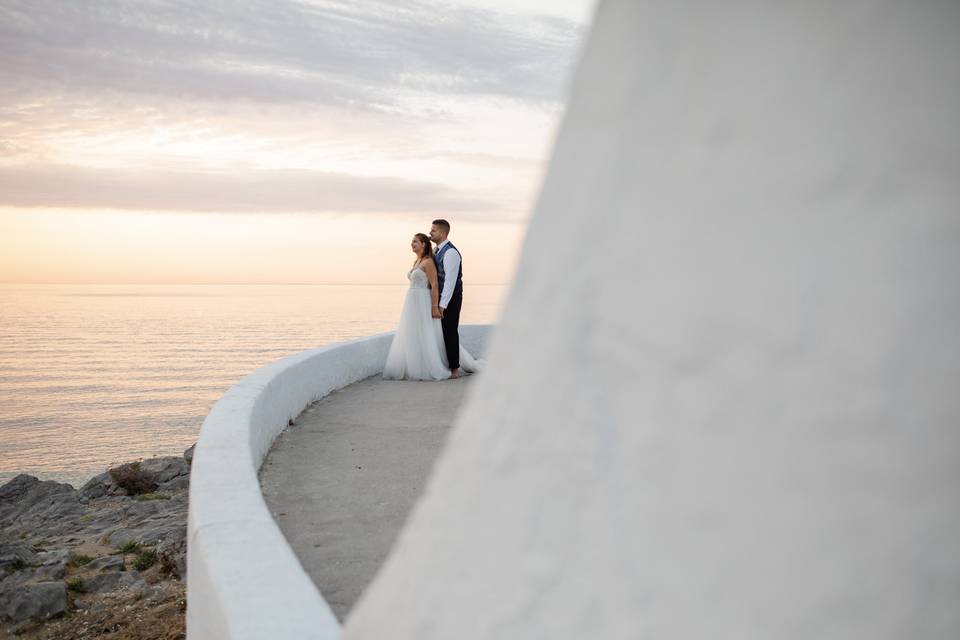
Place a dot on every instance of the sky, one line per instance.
(273, 140)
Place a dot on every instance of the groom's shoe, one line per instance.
(456, 374)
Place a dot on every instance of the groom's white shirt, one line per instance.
(451, 265)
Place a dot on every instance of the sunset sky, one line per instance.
(273, 140)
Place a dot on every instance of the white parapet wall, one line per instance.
(244, 581)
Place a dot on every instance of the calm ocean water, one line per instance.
(93, 375)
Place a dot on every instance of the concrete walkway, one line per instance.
(341, 480)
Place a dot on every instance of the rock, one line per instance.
(141, 477)
(16, 578)
(107, 563)
(109, 513)
(50, 565)
(14, 553)
(175, 535)
(53, 565)
(164, 534)
(173, 551)
(121, 536)
(164, 530)
(31, 502)
(154, 593)
(179, 483)
(161, 470)
(114, 580)
(99, 486)
(54, 571)
(40, 601)
(17, 487)
(139, 510)
(188, 454)
(52, 557)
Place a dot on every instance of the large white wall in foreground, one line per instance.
(725, 399)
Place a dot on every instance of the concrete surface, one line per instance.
(341, 480)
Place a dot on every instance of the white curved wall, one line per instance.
(244, 581)
(724, 401)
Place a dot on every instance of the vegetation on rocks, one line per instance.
(132, 479)
(145, 559)
(80, 559)
(152, 496)
(107, 561)
(76, 585)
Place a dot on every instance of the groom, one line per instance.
(450, 281)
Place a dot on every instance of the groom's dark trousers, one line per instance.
(451, 328)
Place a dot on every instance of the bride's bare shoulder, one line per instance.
(428, 266)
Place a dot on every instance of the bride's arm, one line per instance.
(431, 271)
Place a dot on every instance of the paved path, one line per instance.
(341, 480)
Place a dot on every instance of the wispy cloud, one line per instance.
(362, 54)
(284, 190)
(277, 105)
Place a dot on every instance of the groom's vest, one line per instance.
(441, 275)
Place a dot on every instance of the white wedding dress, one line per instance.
(417, 351)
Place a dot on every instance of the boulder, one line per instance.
(29, 501)
(164, 469)
(99, 486)
(15, 578)
(17, 486)
(188, 454)
(180, 483)
(53, 571)
(39, 601)
(14, 553)
(51, 565)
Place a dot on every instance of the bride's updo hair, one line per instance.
(427, 251)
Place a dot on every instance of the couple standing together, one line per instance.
(426, 345)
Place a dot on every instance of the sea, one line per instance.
(96, 375)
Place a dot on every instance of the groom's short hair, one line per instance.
(442, 224)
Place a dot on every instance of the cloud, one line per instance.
(360, 54)
(252, 191)
(210, 106)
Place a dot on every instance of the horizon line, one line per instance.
(171, 284)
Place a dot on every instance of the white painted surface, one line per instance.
(244, 581)
(723, 400)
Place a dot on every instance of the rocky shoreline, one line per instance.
(107, 561)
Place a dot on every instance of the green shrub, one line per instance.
(130, 546)
(145, 559)
(80, 559)
(76, 585)
(152, 496)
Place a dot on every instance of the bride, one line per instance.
(417, 351)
